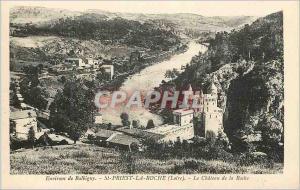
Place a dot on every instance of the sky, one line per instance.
(205, 8)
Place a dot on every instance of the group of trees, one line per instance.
(135, 123)
(172, 74)
(73, 109)
(117, 30)
(32, 91)
(102, 76)
(262, 40)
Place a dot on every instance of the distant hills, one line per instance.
(184, 22)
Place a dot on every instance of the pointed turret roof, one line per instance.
(190, 87)
(213, 88)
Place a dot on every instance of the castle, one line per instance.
(209, 118)
(209, 114)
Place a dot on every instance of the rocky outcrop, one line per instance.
(255, 105)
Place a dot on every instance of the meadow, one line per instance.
(90, 159)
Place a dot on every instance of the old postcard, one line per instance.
(149, 94)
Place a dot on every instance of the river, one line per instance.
(146, 80)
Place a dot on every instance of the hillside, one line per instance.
(87, 159)
(38, 15)
(183, 22)
(247, 67)
(114, 31)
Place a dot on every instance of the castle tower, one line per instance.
(213, 90)
(190, 89)
(212, 115)
(200, 97)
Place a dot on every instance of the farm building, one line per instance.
(21, 122)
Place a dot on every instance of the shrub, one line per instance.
(248, 159)
(80, 154)
(63, 142)
(177, 169)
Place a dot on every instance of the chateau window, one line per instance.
(209, 115)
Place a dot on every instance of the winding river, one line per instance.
(146, 80)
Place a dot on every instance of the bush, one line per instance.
(63, 142)
(17, 143)
(80, 154)
(248, 159)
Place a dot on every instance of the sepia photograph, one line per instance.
(122, 90)
(59, 60)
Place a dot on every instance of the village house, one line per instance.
(21, 122)
(114, 139)
(104, 134)
(141, 133)
(98, 118)
(174, 132)
(62, 67)
(182, 127)
(122, 141)
(183, 117)
(93, 62)
(75, 61)
(108, 69)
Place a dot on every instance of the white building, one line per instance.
(75, 61)
(182, 129)
(174, 132)
(183, 116)
(22, 121)
(93, 62)
(109, 69)
(98, 118)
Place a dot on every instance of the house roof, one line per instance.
(139, 133)
(22, 114)
(98, 114)
(122, 139)
(167, 128)
(183, 111)
(104, 133)
(73, 58)
(107, 66)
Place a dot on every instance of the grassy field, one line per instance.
(88, 159)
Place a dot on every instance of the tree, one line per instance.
(125, 119)
(167, 115)
(150, 124)
(172, 74)
(63, 79)
(75, 131)
(30, 87)
(12, 127)
(14, 101)
(73, 109)
(103, 76)
(210, 137)
(31, 137)
(40, 67)
(136, 124)
(109, 126)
